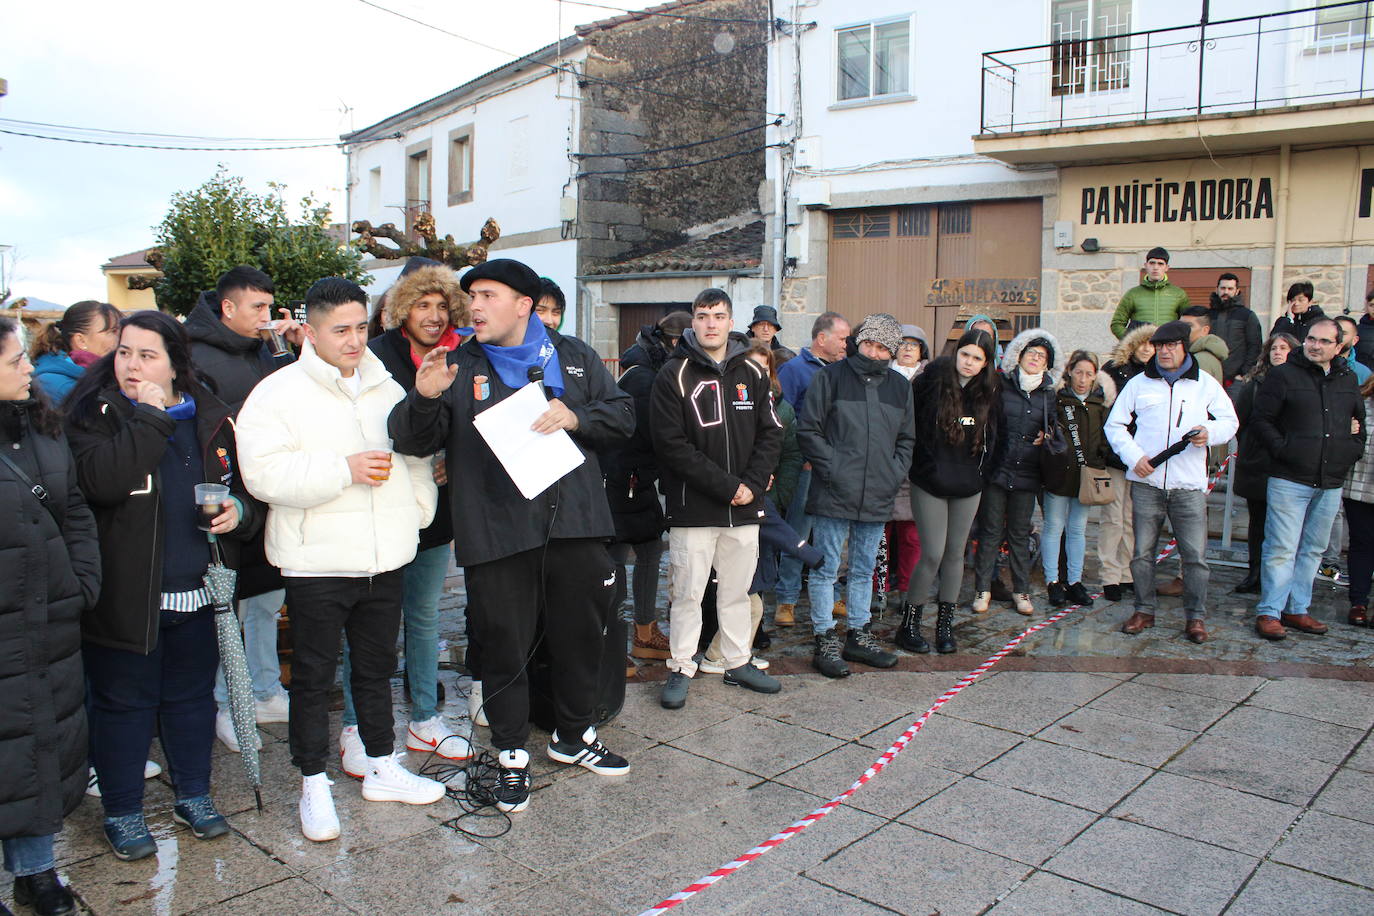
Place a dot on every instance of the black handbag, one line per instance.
(1053, 450)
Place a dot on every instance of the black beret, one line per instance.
(518, 276)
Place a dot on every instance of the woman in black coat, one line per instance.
(1030, 367)
(1252, 458)
(50, 564)
(957, 424)
(144, 431)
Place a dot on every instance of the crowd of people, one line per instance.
(337, 465)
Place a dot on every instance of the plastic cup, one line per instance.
(275, 342)
(210, 499)
(380, 445)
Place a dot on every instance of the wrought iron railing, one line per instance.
(1312, 55)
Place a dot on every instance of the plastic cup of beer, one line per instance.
(379, 445)
(275, 341)
(210, 499)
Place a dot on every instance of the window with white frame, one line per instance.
(1088, 53)
(874, 60)
(1338, 22)
(460, 165)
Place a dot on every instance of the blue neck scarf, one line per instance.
(512, 364)
(186, 410)
(1173, 375)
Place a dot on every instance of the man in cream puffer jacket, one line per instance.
(344, 515)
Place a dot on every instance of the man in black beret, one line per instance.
(525, 556)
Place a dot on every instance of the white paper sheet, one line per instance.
(533, 460)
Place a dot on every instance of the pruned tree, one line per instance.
(222, 224)
(424, 243)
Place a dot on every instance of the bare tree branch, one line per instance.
(425, 243)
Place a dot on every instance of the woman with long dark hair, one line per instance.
(1252, 458)
(63, 350)
(145, 431)
(50, 564)
(957, 425)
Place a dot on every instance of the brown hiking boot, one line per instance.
(785, 615)
(840, 609)
(1137, 622)
(649, 642)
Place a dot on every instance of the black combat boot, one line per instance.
(909, 632)
(944, 629)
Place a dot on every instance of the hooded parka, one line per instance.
(1234, 322)
(1152, 302)
(857, 431)
(1090, 417)
(1025, 414)
(233, 362)
(50, 564)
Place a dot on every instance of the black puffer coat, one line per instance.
(117, 454)
(1297, 326)
(1302, 417)
(51, 573)
(1024, 415)
(1252, 459)
(1239, 327)
(630, 468)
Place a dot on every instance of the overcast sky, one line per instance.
(252, 68)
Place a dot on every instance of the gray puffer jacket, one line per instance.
(858, 430)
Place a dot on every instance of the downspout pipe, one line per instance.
(1278, 302)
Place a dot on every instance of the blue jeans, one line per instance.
(259, 616)
(1064, 515)
(1297, 526)
(790, 567)
(170, 691)
(424, 585)
(29, 855)
(830, 535)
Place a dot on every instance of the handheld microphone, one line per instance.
(536, 375)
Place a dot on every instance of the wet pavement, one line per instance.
(1088, 773)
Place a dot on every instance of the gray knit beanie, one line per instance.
(882, 329)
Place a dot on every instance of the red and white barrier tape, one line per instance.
(796, 827)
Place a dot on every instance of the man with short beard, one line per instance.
(1238, 326)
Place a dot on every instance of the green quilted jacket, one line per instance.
(1152, 302)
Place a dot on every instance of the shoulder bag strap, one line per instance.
(1074, 436)
(39, 492)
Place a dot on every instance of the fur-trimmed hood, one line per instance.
(1012, 357)
(1130, 342)
(406, 291)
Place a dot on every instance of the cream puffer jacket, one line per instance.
(295, 432)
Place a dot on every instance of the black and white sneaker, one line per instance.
(587, 752)
(513, 784)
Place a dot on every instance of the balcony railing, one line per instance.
(1318, 54)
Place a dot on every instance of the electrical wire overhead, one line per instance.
(184, 149)
(711, 104)
(149, 133)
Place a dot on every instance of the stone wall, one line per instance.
(677, 82)
(1328, 284)
(1086, 291)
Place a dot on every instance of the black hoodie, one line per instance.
(714, 428)
(1239, 326)
(233, 362)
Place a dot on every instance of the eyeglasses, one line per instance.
(1164, 344)
(908, 345)
(1324, 341)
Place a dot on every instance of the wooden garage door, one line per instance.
(885, 259)
(1200, 282)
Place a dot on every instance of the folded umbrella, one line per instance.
(219, 581)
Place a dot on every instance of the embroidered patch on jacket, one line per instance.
(481, 388)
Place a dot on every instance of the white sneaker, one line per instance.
(981, 602)
(1024, 604)
(151, 769)
(277, 709)
(387, 780)
(224, 731)
(476, 711)
(434, 735)
(318, 820)
(352, 754)
(707, 666)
